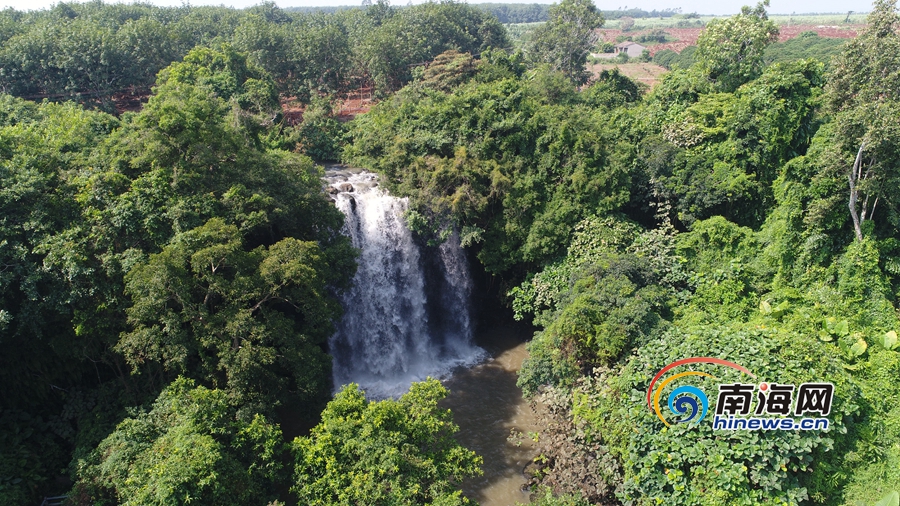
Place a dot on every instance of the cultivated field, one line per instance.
(684, 37)
(684, 32)
(646, 73)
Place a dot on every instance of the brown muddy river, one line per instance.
(487, 405)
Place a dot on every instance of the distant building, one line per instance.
(632, 49)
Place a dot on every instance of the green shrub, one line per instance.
(693, 465)
(547, 364)
(610, 294)
(806, 45)
(612, 89)
(383, 453)
(28, 447)
(872, 466)
(657, 35)
(189, 447)
(545, 497)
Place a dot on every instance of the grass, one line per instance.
(647, 73)
(818, 19)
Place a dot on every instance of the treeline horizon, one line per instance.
(523, 12)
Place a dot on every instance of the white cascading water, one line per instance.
(407, 315)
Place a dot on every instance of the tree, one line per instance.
(730, 51)
(249, 321)
(269, 46)
(320, 135)
(190, 447)
(186, 175)
(565, 40)
(866, 112)
(718, 153)
(449, 70)
(39, 145)
(414, 36)
(383, 453)
(546, 162)
(321, 55)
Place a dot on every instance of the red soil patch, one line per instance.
(684, 37)
(129, 101)
(292, 110)
(788, 32)
(345, 109)
(349, 108)
(356, 102)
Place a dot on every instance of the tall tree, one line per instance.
(730, 51)
(566, 39)
(864, 93)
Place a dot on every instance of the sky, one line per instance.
(720, 7)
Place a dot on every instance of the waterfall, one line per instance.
(407, 315)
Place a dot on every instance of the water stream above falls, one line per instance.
(407, 317)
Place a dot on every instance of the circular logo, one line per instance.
(683, 401)
(688, 403)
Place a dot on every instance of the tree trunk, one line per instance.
(854, 193)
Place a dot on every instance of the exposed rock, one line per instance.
(533, 470)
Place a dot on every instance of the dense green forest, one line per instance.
(169, 276)
(90, 51)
